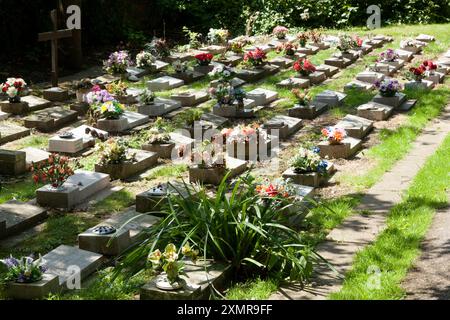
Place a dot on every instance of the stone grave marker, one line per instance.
(128, 227)
(3, 115)
(251, 75)
(160, 107)
(375, 111)
(127, 121)
(262, 96)
(76, 190)
(284, 126)
(292, 83)
(311, 179)
(19, 216)
(331, 98)
(11, 132)
(348, 148)
(317, 77)
(34, 155)
(340, 63)
(282, 62)
(423, 85)
(74, 145)
(50, 119)
(12, 162)
(56, 94)
(383, 68)
(214, 120)
(28, 103)
(329, 70)
(358, 85)
(188, 77)
(394, 101)
(235, 82)
(407, 105)
(436, 77)
(106, 79)
(310, 111)
(370, 76)
(190, 98)
(214, 176)
(356, 127)
(164, 83)
(425, 38)
(404, 55)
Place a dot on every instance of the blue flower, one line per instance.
(316, 149)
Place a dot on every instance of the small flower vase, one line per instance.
(15, 99)
(162, 282)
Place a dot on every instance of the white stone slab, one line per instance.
(164, 83)
(262, 96)
(356, 127)
(370, 76)
(160, 107)
(375, 111)
(34, 155)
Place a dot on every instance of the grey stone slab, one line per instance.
(348, 148)
(283, 126)
(292, 83)
(135, 119)
(32, 291)
(60, 262)
(17, 108)
(56, 94)
(331, 98)
(395, 101)
(340, 63)
(404, 55)
(129, 226)
(356, 127)
(282, 62)
(407, 105)
(189, 77)
(50, 119)
(436, 78)
(35, 155)
(251, 75)
(190, 98)
(329, 70)
(375, 111)
(10, 132)
(316, 77)
(312, 179)
(262, 96)
(311, 111)
(422, 85)
(214, 120)
(4, 115)
(36, 103)
(164, 83)
(12, 162)
(160, 107)
(358, 85)
(370, 76)
(214, 176)
(383, 68)
(201, 278)
(19, 216)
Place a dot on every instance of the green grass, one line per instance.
(252, 290)
(34, 141)
(21, 191)
(394, 251)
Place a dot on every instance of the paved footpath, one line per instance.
(359, 230)
(430, 277)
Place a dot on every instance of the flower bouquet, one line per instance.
(24, 270)
(98, 96)
(180, 66)
(345, 43)
(246, 142)
(147, 97)
(111, 110)
(204, 59)
(117, 63)
(303, 97)
(280, 32)
(237, 47)
(256, 57)
(119, 91)
(13, 87)
(304, 67)
(416, 73)
(217, 36)
(302, 38)
(159, 142)
(388, 56)
(223, 93)
(145, 60)
(279, 194)
(114, 152)
(357, 42)
(388, 87)
(315, 36)
(430, 67)
(55, 170)
(306, 161)
(208, 155)
(222, 74)
(334, 135)
(287, 48)
(170, 266)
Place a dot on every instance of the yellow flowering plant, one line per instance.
(111, 110)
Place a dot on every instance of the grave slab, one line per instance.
(422, 85)
(425, 38)
(181, 56)
(160, 107)
(358, 85)
(18, 108)
(76, 190)
(235, 82)
(35, 155)
(329, 70)
(331, 98)
(282, 62)
(375, 111)
(340, 63)
(129, 226)
(436, 78)
(356, 127)
(190, 98)
(188, 77)
(56, 94)
(10, 132)
(36, 103)
(310, 111)
(293, 83)
(231, 60)
(311, 179)
(214, 120)
(348, 148)
(214, 176)
(19, 216)
(394, 102)
(285, 126)
(251, 75)
(370, 77)
(404, 55)
(407, 105)
(383, 68)
(262, 96)
(164, 83)
(106, 79)
(3, 115)
(32, 291)
(12, 162)
(50, 119)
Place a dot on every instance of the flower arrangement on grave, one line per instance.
(222, 73)
(237, 47)
(55, 171)
(98, 96)
(239, 95)
(302, 38)
(161, 48)
(409, 43)
(170, 261)
(145, 60)
(192, 116)
(416, 73)
(208, 155)
(180, 66)
(117, 63)
(357, 42)
(315, 36)
(204, 59)
(288, 48)
(345, 43)
(307, 160)
(278, 194)
(334, 135)
(304, 67)
(223, 93)
(430, 67)
(389, 56)
(245, 134)
(117, 89)
(217, 36)
(111, 110)
(115, 152)
(302, 96)
(280, 32)
(147, 97)
(194, 38)
(13, 87)
(255, 58)
(156, 136)
(388, 87)
(24, 270)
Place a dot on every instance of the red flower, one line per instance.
(304, 66)
(204, 57)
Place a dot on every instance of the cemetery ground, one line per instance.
(394, 250)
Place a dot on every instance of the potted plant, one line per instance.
(304, 67)
(305, 108)
(345, 44)
(256, 58)
(208, 163)
(110, 116)
(204, 63)
(82, 88)
(13, 88)
(159, 48)
(55, 171)
(389, 57)
(247, 142)
(334, 136)
(170, 267)
(145, 60)
(119, 91)
(147, 97)
(237, 47)
(217, 36)
(159, 142)
(280, 32)
(116, 159)
(224, 95)
(117, 63)
(221, 75)
(288, 49)
(194, 38)
(316, 37)
(302, 39)
(388, 87)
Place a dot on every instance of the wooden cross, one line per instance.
(53, 36)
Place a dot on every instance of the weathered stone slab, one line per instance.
(283, 126)
(383, 68)
(370, 76)
(106, 79)
(10, 132)
(214, 176)
(231, 60)
(340, 63)
(31, 291)
(201, 278)
(163, 150)
(50, 119)
(328, 69)
(251, 75)
(282, 62)
(188, 77)
(358, 85)
(34, 155)
(56, 94)
(182, 141)
(262, 96)
(436, 78)
(214, 120)
(144, 161)
(331, 98)
(395, 101)
(129, 226)
(375, 111)
(397, 64)
(62, 258)
(17, 108)
(356, 127)
(310, 111)
(181, 56)
(422, 85)
(425, 38)
(19, 216)
(12, 162)
(164, 83)
(347, 149)
(190, 98)
(292, 83)
(311, 179)
(77, 189)
(160, 107)
(404, 55)
(407, 105)
(235, 82)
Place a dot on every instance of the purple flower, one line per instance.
(10, 262)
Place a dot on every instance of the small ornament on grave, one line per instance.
(66, 135)
(104, 230)
(303, 97)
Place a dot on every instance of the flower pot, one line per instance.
(15, 99)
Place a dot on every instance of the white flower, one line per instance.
(12, 92)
